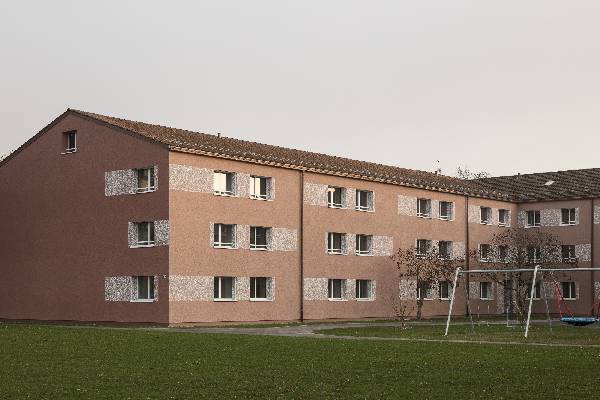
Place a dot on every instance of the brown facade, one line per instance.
(69, 221)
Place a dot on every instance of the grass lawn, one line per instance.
(50, 362)
(560, 334)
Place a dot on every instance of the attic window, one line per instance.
(70, 142)
(549, 183)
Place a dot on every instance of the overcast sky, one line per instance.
(502, 86)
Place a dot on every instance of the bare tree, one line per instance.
(519, 248)
(426, 267)
(466, 173)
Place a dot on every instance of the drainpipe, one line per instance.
(593, 293)
(301, 245)
(467, 258)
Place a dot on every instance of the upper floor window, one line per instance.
(145, 234)
(444, 249)
(223, 183)
(336, 289)
(146, 181)
(224, 288)
(364, 200)
(258, 238)
(568, 290)
(335, 197)
(502, 217)
(335, 242)
(533, 218)
(363, 289)
(363, 244)
(71, 142)
(224, 236)
(259, 187)
(260, 287)
(424, 208)
(446, 210)
(568, 216)
(423, 247)
(485, 252)
(534, 254)
(486, 215)
(568, 253)
(145, 287)
(485, 290)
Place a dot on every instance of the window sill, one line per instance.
(335, 207)
(141, 190)
(364, 299)
(367, 210)
(573, 224)
(486, 299)
(67, 152)
(223, 194)
(445, 219)
(224, 300)
(335, 253)
(424, 216)
(484, 223)
(260, 198)
(142, 301)
(225, 247)
(141, 246)
(532, 226)
(259, 249)
(261, 300)
(364, 255)
(334, 300)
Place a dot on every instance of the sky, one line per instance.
(499, 86)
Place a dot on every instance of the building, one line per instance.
(106, 219)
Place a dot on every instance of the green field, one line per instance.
(49, 362)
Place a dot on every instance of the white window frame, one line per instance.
(489, 251)
(330, 242)
(218, 191)
(359, 289)
(151, 179)
(448, 286)
(369, 197)
(71, 149)
(221, 245)
(268, 288)
(448, 249)
(428, 247)
(568, 259)
(572, 290)
(450, 207)
(220, 288)
(254, 246)
(330, 283)
(363, 252)
(150, 232)
(505, 260)
(536, 224)
(256, 180)
(424, 213)
(571, 220)
(330, 193)
(428, 292)
(537, 255)
(488, 211)
(502, 211)
(489, 291)
(537, 293)
(150, 287)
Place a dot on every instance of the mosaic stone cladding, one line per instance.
(382, 245)
(242, 184)
(120, 182)
(124, 288)
(407, 205)
(190, 179)
(550, 217)
(408, 289)
(597, 288)
(284, 239)
(242, 236)
(315, 194)
(242, 288)
(474, 214)
(500, 303)
(350, 289)
(191, 288)
(596, 215)
(161, 233)
(435, 208)
(583, 252)
(350, 198)
(315, 288)
(458, 251)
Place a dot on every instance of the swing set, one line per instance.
(568, 317)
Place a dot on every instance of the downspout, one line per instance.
(467, 258)
(301, 245)
(593, 287)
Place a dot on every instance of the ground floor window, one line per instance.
(445, 290)
(568, 290)
(424, 291)
(335, 289)
(363, 289)
(145, 287)
(260, 288)
(224, 288)
(485, 290)
(537, 291)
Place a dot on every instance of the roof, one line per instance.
(547, 186)
(202, 143)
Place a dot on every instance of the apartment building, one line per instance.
(106, 219)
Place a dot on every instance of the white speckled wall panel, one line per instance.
(549, 289)
(242, 236)
(242, 184)
(583, 252)
(474, 214)
(408, 289)
(242, 288)
(435, 208)
(161, 232)
(522, 219)
(474, 290)
(350, 199)
(458, 250)
(315, 194)
(350, 289)
(349, 244)
(373, 290)
(495, 219)
(315, 288)
(118, 288)
(500, 306)
(596, 215)
(190, 179)
(271, 189)
(191, 288)
(382, 245)
(407, 205)
(508, 218)
(131, 234)
(596, 289)
(550, 217)
(120, 182)
(284, 239)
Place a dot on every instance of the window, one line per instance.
(534, 254)
(446, 210)
(364, 200)
(568, 253)
(363, 244)
(568, 290)
(259, 187)
(503, 253)
(537, 291)
(486, 215)
(424, 291)
(502, 217)
(260, 287)
(145, 234)
(533, 218)
(423, 247)
(568, 216)
(145, 288)
(224, 288)
(335, 242)
(71, 142)
(485, 290)
(223, 236)
(335, 197)
(335, 289)
(424, 208)
(445, 249)
(363, 289)
(258, 238)
(223, 183)
(445, 289)
(146, 180)
(485, 252)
